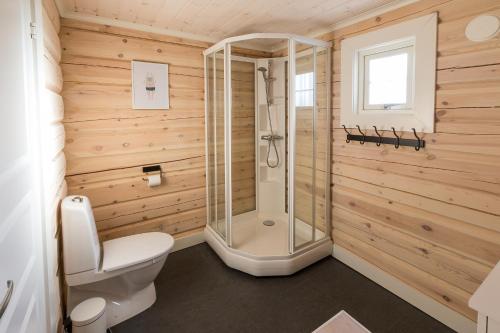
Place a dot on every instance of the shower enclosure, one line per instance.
(267, 129)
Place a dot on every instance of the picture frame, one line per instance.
(150, 88)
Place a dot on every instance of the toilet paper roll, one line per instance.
(154, 180)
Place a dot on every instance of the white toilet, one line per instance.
(121, 271)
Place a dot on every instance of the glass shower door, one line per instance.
(304, 148)
(309, 105)
(243, 155)
(322, 143)
(215, 118)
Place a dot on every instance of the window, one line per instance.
(386, 78)
(304, 89)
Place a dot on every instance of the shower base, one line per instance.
(262, 250)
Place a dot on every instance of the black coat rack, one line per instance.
(396, 141)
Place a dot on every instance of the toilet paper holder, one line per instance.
(151, 170)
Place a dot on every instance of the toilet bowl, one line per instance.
(121, 271)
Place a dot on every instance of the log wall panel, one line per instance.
(51, 39)
(243, 137)
(430, 218)
(411, 249)
(52, 14)
(455, 298)
(107, 142)
(53, 74)
(52, 106)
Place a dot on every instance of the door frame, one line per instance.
(35, 140)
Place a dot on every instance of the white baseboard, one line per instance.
(421, 301)
(188, 241)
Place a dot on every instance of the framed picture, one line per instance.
(149, 85)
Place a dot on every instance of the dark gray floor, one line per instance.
(198, 293)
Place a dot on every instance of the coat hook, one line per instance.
(397, 138)
(417, 147)
(347, 139)
(379, 137)
(363, 134)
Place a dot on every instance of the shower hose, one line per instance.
(271, 139)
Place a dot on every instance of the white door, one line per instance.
(22, 300)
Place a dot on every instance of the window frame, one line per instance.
(311, 90)
(394, 48)
(422, 31)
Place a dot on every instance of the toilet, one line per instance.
(122, 270)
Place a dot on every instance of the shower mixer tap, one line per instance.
(271, 137)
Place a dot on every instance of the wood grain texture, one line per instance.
(342, 322)
(107, 142)
(220, 19)
(51, 39)
(430, 218)
(243, 136)
(52, 14)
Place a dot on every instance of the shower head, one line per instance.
(263, 70)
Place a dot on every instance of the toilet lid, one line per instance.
(88, 311)
(131, 250)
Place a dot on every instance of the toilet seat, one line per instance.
(135, 249)
(125, 254)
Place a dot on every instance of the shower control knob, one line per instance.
(266, 137)
(270, 137)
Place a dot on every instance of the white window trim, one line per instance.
(422, 34)
(363, 80)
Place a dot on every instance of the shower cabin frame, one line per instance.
(311, 251)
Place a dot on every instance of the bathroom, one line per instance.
(279, 166)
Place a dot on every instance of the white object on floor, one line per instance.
(89, 316)
(342, 322)
(122, 274)
(486, 301)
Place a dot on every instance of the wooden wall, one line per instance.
(107, 142)
(430, 218)
(53, 160)
(243, 137)
(309, 157)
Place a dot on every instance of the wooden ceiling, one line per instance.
(213, 20)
